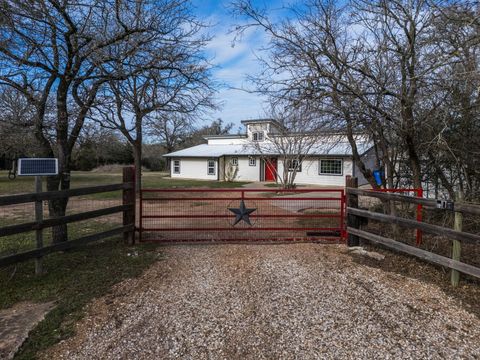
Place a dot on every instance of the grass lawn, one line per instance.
(72, 279)
(86, 178)
(273, 185)
(16, 243)
(25, 184)
(162, 181)
(22, 242)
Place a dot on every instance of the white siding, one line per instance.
(193, 168)
(310, 173)
(196, 168)
(258, 127)
(245, 171)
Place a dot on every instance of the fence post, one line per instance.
(352, 220)
(419, 217)
(128, 198)
(457, 246)
(38, 219)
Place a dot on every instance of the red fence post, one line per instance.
(128, 198)
(343, 225)
(419, 217)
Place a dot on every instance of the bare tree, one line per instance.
(67, 50)
(98, 146)
(297, 135)
(171, 129)
(372, 63)
(216, 127)
(453, 139)
(173, 77)
(15, 123)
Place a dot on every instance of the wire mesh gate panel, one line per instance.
(189, 215)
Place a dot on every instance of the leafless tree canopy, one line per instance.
(403, 72)
(64, 59)
(298, 131)
(169, 78)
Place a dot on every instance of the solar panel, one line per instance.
(37, 166)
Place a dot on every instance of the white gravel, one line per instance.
(297, 301)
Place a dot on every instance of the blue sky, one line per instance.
(233, 62)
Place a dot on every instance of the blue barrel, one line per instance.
(378, 174)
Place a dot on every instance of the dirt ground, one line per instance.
(293, 301)
(15, 324)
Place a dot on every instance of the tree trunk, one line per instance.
(367, 173)
(414, 163)
(57, 208)
(137, 150)
(137, 158)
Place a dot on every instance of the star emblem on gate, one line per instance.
(242, 213)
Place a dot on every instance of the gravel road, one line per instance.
(295, 301)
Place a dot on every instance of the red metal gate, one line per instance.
(179, 215)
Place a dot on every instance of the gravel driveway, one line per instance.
(295, 301)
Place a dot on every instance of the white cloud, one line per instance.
(223, 48)
(239, 105)
(234, 61)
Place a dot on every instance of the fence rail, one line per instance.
(428, 203)
(61, 194)
(127, 209)
(414, 224)
(420, 253)
(37, 225)
(356, 217)
(32, 254)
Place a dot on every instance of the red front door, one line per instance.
(271, 169)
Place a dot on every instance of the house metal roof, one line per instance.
(213, 151)
(226, 136)
(248, 121)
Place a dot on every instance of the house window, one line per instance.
(331, 167)
(294, 165)
(211, 167)
(234, 161)
(252, 161)
(258, 136)
(176, 166)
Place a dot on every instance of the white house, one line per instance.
(256, 156)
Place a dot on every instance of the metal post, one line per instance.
(38, 219)
(343, 202)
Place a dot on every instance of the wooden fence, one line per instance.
(127, 228)
(356, 217)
